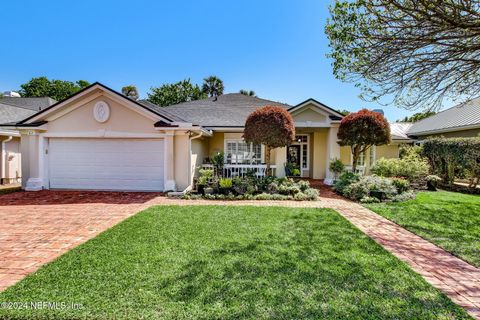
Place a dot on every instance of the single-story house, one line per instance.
(100, 139)
(462, 120)
(13, 109)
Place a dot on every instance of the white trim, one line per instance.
(318, 105)
(103, 91)
(364, 158)
(302, 144)
(102, 134)
(9, 133)
(225, 129)
(312, 124)
(372, 152)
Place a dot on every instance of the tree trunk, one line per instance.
(267, 160)
(355, 154)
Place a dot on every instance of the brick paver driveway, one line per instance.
(36, 227)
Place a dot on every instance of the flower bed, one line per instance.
(251, 187)
(368, 189)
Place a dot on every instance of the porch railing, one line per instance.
(360, 169)
(241, 170)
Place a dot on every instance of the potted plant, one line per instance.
(337, 167)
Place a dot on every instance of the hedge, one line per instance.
(453, 158)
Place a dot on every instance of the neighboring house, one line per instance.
(100, 139)
(13, 108)
(463, 120)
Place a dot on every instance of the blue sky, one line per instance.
(275, 47)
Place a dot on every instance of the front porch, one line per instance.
(308, 156)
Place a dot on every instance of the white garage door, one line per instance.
(106, 164)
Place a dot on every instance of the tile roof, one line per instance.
(460, 117)
(228, 110)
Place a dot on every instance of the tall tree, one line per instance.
(414, 53)
(213, 86)
(249, 93)
(130, 92)
(361, 130)
(418, 116)
(173, 93)
(55, 89)
(271, 126)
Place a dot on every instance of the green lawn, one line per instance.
(225, 262)
(450, 220)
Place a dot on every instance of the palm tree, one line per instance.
(213, 86)
(249, 93)
(130, 92)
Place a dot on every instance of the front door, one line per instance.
(293, 155)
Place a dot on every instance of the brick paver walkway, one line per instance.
(38, 227)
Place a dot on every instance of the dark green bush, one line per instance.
(453, 158)
(344, 180)
(402, 185)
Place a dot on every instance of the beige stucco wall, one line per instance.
(215, 143)
(385, 151)
(307, 114)
(181, 159)
(319, 153)
(388, 151)
(124, 122)
(122, 119)
(199, 153)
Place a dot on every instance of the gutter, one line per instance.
(4, 159)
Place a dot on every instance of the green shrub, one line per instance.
(296, 172)
(432, 182)
(454, 157)
(411, 167)
(345, 180)
(311, 193)
(402, 185)
(410, 151)
(303, 185)
(371, 186)
(218, 161)
(206, 176)
(288, 189)
(225, 183)
(408, 195)
(368, 199)
(337, 167)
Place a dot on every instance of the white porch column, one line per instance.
(280, 160)
(32, 149)
(333, 151)
(169, 162)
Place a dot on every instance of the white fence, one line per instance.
(241, 170)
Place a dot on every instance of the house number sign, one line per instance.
(101, 111)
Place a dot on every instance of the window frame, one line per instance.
(250, 145)
(302, 145)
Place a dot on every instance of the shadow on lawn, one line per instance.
(332, 272)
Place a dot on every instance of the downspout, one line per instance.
(4, 159)
(190, 160)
